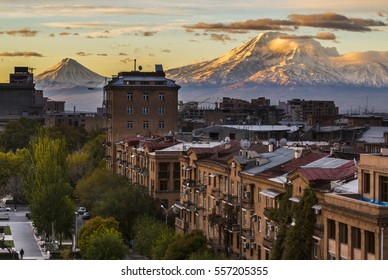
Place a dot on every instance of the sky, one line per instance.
(106, 36)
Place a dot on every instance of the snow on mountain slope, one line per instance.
(68, 74)
(278, 59)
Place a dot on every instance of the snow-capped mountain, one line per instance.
(68, 74)
(275, 58)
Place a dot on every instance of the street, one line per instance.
(22, 235)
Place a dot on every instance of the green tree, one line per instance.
(17, 134)
(94, 226)
(106, 245)
(75, 137)
(298, 242)
(185, 246)
(283, 219)
(147, 230)
(95, 149)
(79, 166)
(110, 195)
(47, 185)
(11, 173)
(161, 243)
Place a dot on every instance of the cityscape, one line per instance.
(273, 149)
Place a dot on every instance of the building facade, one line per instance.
(139, 103)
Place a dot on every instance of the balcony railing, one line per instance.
(189, 183)
(267, 242)
(232, 199)
(215, 243)
(181, 224)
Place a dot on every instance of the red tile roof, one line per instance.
(344, 171)
(291, 165)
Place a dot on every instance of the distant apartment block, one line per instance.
(310, 111)
(18, 98)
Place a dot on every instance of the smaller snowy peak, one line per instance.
(68, 73)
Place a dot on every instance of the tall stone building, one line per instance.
(139, 103)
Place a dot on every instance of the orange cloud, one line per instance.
(24, 54)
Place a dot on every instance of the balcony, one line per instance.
(233, 227)
(247, 203)
(267, 242)
(216, 193)
(247, 233)
(215, 243)
(318, 230)
(232, 200)
(181, 224)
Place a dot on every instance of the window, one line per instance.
(161, 97)
(161, 125)
(331, 228)
(315, 249)
(129, 125)
(162, 110)
(383, 181)
(259, 223)
(130, 96)
(343, 232)
(266, 254)
(370, 242)
(267, 228)
(145, 97)
(129, 110)
(146, 110)
(145, 125)
(163, 185)
(245, 222)
(366, 182)
(356, 238)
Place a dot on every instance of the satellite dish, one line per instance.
(140, 67)
(272, 141)
(227, 139)
(245, 144)
(283, 142)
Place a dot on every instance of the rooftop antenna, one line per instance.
(31, 69)
(134, 61)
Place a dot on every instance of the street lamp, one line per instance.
(167, 210)
(75, 233)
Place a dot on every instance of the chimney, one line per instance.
(74, 109)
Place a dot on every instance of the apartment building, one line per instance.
(139, 103)
(355, 224)
(227, 193)
(153, 164)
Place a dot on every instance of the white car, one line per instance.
(3, 208)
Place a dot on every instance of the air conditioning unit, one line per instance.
(253, 245)
(247, 194)
(245, 245)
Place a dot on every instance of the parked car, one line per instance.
(81, 210)
(86, 215)
(4, 208)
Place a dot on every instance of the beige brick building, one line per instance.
(139, 103)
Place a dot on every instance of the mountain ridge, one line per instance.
(275, 58)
